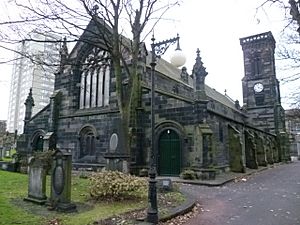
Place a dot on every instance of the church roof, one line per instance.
(163, 66)
(217, 96)
(169, 70)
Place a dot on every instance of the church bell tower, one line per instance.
(261, 94)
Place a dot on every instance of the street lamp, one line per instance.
(157, 49)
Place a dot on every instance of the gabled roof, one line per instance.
(92, 34)
(89, 34)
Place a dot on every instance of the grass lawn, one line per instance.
(13, 210)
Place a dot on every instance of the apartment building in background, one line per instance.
(33, 68)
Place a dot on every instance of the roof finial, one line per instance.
(198, 52)
(63, 53)
(29, 100)
(178, 45)
(95, 10)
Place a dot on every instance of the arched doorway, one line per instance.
(37, 141)
(169, 151)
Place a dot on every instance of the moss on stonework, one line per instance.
(235, 151)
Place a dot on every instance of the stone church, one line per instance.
(196, 127)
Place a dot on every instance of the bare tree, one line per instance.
(70, 18)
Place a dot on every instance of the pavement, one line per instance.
(219, 180)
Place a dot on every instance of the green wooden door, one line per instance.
(169, 153)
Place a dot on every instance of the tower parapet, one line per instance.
(258, 39)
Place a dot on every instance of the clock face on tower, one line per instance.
(258, 87)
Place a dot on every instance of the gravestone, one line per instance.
(60, 198)
(111, 159)
(37, 181)
(116, 160)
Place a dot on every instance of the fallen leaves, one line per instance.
(241, 179)
(182, 219)
(54, 221)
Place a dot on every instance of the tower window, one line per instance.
(260, 100)
(256, 66)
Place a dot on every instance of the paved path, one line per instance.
(271, 197)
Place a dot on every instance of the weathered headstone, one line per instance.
(116, 160)
(60, 198)
(37, 181)
(111, 159)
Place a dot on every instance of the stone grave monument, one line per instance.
(37, 181)
(60, 198)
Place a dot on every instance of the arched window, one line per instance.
(95, 80)
(87, 142)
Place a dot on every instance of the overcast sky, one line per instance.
(212, 26)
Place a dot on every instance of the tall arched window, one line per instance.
(95, 80)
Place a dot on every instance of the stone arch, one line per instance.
(169, 124)
(87, 141)
(37, 140)
(169, 144)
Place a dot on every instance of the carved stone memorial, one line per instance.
(37, 181)
(60, 198)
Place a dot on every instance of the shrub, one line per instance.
(188, 175)
(114, 185)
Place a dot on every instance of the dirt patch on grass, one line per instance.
(44, 211)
